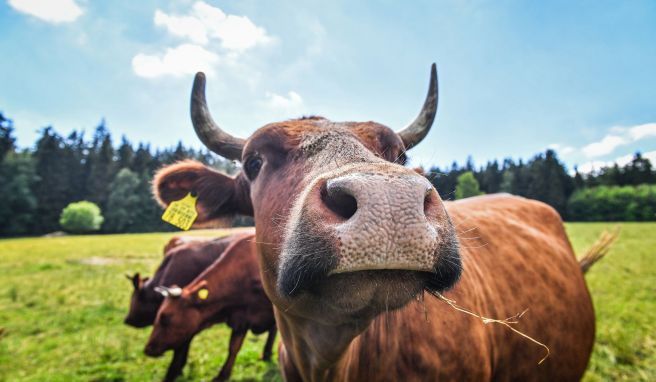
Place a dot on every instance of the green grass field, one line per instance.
(62, 303)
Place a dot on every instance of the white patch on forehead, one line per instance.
(334, 147)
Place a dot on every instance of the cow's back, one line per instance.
(516, 256)
(189, 258)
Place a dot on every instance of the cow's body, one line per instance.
(234, 296)
(349, 240)
(184, 259)
(516, 256)
(177, 241)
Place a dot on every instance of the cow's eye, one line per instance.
(252, 167)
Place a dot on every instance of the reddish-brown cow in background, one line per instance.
(349, 239)
(185, 258)
(229, 291)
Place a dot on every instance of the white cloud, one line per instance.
(181, 60)
(606, 146)
(287, 106)
(52, 11)
(183, 26)
(619, 136)
(642, 131)
(211, 36)
(623, 160)
(561, 149)
(206, 23)
(593, 166)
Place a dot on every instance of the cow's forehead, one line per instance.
(314, 133)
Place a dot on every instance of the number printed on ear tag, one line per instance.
(181, 213)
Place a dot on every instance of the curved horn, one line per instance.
(412, 134)
(169, 292)
(164, 291)
(175, 291)
(207, 130)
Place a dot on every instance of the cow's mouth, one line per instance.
(152, 350)
(365, 292)
(320, 274)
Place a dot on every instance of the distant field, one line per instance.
(62, 302)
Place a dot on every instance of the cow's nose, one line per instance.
(379, 194)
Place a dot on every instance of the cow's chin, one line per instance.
(360, 295)
(369, 292)
(355, 297)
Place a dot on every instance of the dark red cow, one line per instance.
(229, 291)
(185, 258)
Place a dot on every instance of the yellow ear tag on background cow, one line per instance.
(203, 293)
(182, 213)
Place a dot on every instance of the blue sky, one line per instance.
(516, 77)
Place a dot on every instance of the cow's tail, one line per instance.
(599, 249)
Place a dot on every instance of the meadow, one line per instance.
(63, 300)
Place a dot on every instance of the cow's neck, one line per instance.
(316, 349)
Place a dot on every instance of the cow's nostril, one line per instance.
(339, 200)
(428, 200)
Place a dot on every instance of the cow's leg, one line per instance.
(271, 338)
(178, 362)
(236, 340)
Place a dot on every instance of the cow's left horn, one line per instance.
(412, 134)
(169, 292)
(207, 130)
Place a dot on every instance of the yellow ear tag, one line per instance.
(182, 213)
(203, 293)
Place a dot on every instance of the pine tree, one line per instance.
(125, 154)
(491, 178)
(52, 190)
(7, 140)
(142, 160)
(17, 176)
(123, 203)
(101, 167)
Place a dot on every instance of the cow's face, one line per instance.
(143, 303)
(344, 230)
(179, 318)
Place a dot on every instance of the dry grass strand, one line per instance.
(508, 322)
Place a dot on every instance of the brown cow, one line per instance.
(229, 291)
(177, 241)
(185, 258)
(349, 239)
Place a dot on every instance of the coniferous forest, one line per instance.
(37, 183)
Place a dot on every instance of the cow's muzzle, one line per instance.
(366, 220)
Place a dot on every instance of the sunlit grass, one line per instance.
(62, 302)
(623, 288)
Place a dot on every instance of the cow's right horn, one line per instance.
(207, 130)
(169, 292)
(412, 134)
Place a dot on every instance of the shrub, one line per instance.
(613, 203)
(467, 186)
(81, 217)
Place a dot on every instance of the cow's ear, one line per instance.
(199, 292)
(219, 195)
(134, 279)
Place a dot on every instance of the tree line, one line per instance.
(610, 194)
(36, 184)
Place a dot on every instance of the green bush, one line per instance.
(467, 186)
(613, 203)
(81, 217)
